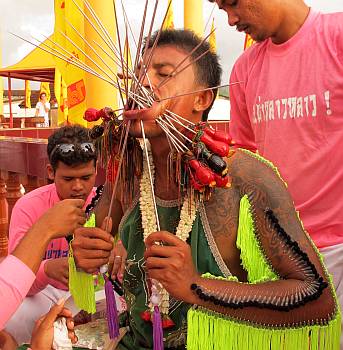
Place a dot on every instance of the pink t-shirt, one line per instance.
(26, 212)
(290, 107)
(15, 281)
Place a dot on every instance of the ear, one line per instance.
(203, 100)
(50, 171)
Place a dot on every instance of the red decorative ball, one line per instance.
(91, 115)
(167, 322)
(146, 316)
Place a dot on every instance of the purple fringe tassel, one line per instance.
(157, 329)
(112, 311)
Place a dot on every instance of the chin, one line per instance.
(259, 37)
(151, 129)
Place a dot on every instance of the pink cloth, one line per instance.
(26, 212)
(15, 281)
(290, 107)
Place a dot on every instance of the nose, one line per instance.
(232, 18)
(147, 80)
(77, 185)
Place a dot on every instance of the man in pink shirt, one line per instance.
(289, 108)
(17, 271)
(72, 167)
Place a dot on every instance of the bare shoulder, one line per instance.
(259, 179)
(272, 206)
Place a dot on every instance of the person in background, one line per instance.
(72, 169)
(290, 110)
(18, 270)
(43, 108)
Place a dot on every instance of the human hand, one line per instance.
(63, 218)
(58, 269)
(117, 261)
(171, 264)
(92, 246)
(43, 333)
(7, 342)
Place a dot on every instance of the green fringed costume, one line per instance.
(206, 258)
(208, 330)
(200, 328)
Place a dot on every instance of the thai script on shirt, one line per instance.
(55, 252)
(289, 107)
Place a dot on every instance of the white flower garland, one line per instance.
(187, 218)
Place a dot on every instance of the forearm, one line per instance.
(41, 280)
(283, 302)
(38, 238)
(15, 281)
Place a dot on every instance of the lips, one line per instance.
(78, 196)
(242, 28)
(151, 113)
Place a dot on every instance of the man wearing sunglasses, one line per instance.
(72, 168)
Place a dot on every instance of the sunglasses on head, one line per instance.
(67, 148)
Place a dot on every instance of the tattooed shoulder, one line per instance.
(222, 211)
(259, 180)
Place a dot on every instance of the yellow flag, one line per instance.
(57, 85)
(128, 62)
(63, 115)
(248, 41)
(44, 87)
(169, 22)
(212, 39)
(27, 94)
(73, 77)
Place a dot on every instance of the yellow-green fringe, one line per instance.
(81, 284)
(253, 259)
(208, 330)
(212, 331)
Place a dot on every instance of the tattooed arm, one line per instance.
(300, 295)
(101, 210)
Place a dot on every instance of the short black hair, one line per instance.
(41, 94)
(207, 68)
(70, 134)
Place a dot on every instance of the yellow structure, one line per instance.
(66, 11)
(99, 92)
(169, 22)
(38, 65)
(193, 16)
(27, 94)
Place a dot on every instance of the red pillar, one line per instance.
(3, 218)
(13, 191)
